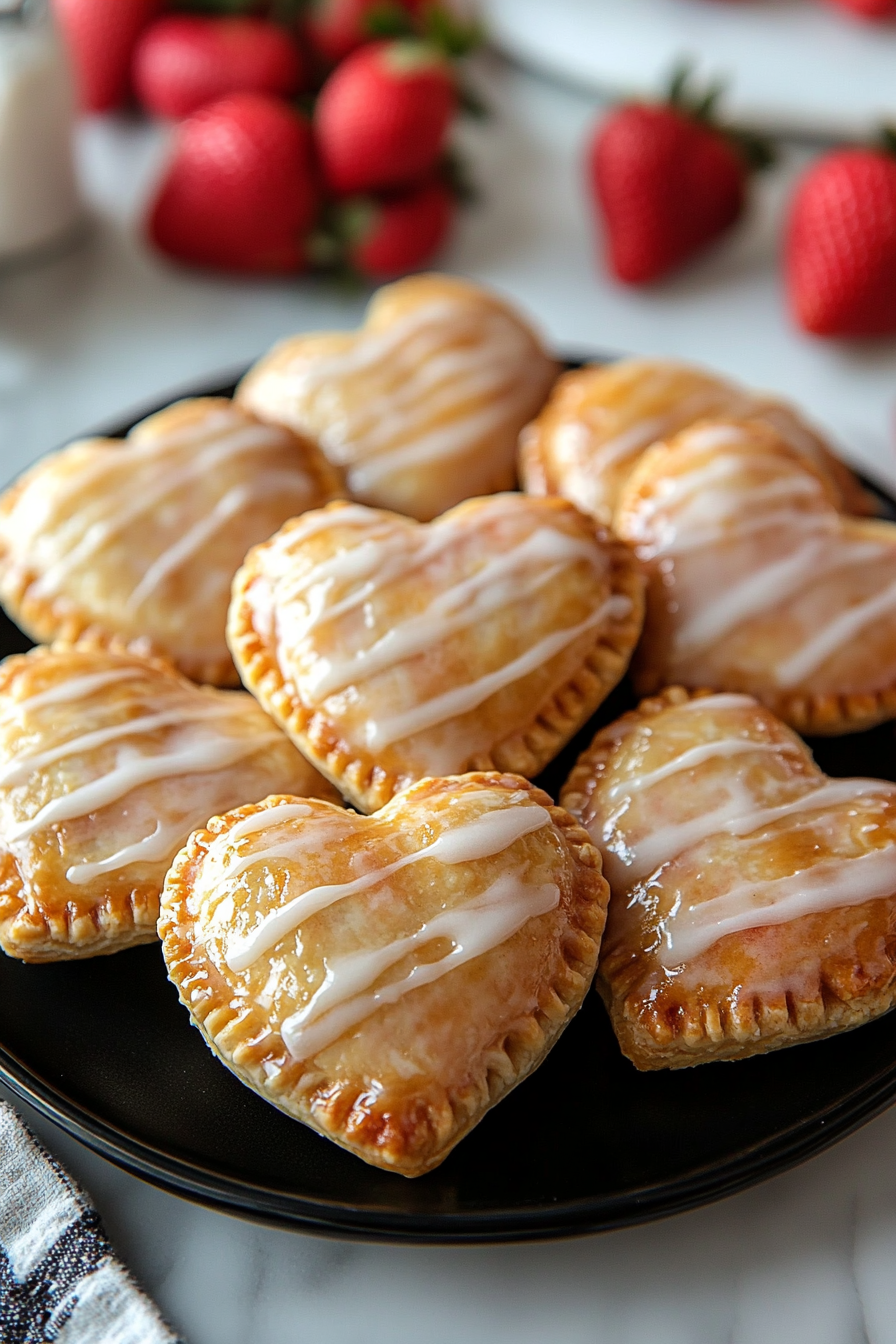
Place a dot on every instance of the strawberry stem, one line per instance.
(756, 150)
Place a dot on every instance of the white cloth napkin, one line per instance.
(59, 1281)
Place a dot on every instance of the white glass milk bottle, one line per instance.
(38, 193)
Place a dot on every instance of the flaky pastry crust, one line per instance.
(138, 539)
(59, 898)
(403, 1085)
(369, 777)
(764, 988)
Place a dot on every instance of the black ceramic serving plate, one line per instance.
(104, 1048)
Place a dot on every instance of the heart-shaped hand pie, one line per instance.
(756, 583)
(391, 650)
(108, 761)
(600, 419)
(141, 538)
(423, 405)
(753, 898)
(387, 979)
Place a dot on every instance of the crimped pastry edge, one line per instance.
(59, 620)
(244, 1046)
(525, 752)
(757, 1027)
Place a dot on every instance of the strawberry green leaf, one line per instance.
(389, 20)
(456, 175)
(453, 36)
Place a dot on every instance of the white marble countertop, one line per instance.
(89, 335)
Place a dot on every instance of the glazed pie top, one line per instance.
(757, 583)
(142, 537)
(391, 650)
(753, 898)
(387, 979)
(107, 761)
(422, 406)
(599, 420)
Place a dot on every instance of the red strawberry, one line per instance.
(876, 10)
(382, 117)
(841, 245)
(400, 234)
(183, 61)
(101, 35)
(336, 28)
(668, 182)
(239, 192)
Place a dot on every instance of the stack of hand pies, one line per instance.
(373, 916)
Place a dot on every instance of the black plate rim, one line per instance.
(244, 1199)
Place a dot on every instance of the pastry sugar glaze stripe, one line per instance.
(829, 885)
(488, 834)
(271, 484)
(74, 688)
(775, 581)
(485, 363)
(694, 756)
(79, 546)
(462, 699)
(24, 763)
(688, 931)
(545, 553)
(347, 996)
(738, 816)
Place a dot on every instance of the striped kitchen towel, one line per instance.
(59, 1280)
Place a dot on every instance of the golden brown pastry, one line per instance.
(599, 420)
(422, 405)
(390, 650)
(141, 537)
(757, 583)
(753, 899)
(108, 760)
(387, 979)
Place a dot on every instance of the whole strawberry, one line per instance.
(667, 181)
(382, 117)
(391, 237)
(875, 10)
(101, 36)
(840, 256)
(239, 192)
(335, 28)
(183, 61)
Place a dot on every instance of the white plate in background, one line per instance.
(797, 65)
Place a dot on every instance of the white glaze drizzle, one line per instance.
(153, 847)
(132, 771)
(462, 699)
(346, 996)
(686, 514)
(488, 834)
(544, 553)
(56, 539)
(829, 885)
(467, 363)
(75, 688)
(721, 748)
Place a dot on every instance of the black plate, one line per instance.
(104, 1048)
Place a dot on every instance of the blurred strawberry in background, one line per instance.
(875, 10)
(383, 116)
(316, 130)
(182, 61)
(336, 28)
(239, 192)
(668, 180)
(840, 257)
(101, 35)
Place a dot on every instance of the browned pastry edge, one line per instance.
(714, 1031)
(537, 476)
(59, 620)
(417, 1139)
(525, 752)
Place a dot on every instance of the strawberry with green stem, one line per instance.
(840, 250)
(668, 179)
